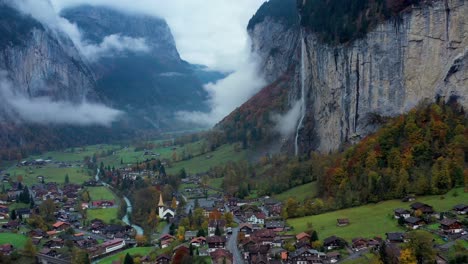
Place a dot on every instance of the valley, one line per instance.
(232, 132)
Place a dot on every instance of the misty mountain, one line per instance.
(149, 85)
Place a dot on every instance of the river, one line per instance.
(126, 218)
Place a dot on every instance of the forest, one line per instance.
(340, 21)
(422, 152)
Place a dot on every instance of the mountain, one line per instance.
(338, 72)
(150, 85)
(41, 62)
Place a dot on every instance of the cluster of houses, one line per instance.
(421, 214)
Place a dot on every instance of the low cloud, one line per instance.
(227, 94)
(286, 124)
(111, 45)
(44, 110)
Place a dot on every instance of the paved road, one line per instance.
(232, 242)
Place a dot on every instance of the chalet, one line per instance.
(256, 218)
(359, 243)
(113, 245)
(395, 237)
(451, 226)
(408, 198)
(163, 259)
(54, 243)
(215, 242)
(12, 224)
(333, 257)
(342, 222)
(221, 256)
(60, 226)
(400, 212)
(414, 222)
(424, 208)
(306, 256)
(23, 213)
(198, 241)
(461, 209)
(166, 240)
(4, 216)
(246, 228)
(264, 236)
(37, 233)
(4, 209)
(213, 224)
(302, 237)
(6, 249)
(189, 235)
(255, 253)
(277, 225)
(102, 204)
(49, 252)
(333, 242)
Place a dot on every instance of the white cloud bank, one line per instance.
(43, 11)
(286, 124)
(227, 94)
(44, 110)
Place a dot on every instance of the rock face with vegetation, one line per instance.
(40, 62)
(384, 67)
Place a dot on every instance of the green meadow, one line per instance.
(372, 219)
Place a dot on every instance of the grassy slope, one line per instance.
(198, 164)
(106, 214)
(78, 154)
(100, 193)
(299, 193)
(17, 240)
(143, 251)
(51, 173)
(372, 219)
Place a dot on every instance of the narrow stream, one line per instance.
(126, 218)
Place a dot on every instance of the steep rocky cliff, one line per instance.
(348, 87)
(40, 62)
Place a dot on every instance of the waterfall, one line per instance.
(302, 102)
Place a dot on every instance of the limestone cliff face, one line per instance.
(398, 64)
(41, 62)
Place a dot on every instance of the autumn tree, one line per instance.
(407, 257)
(29, 248)
(421, 245)
(47, 210)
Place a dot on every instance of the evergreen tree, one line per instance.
(201, 232)
(314, 236)
(128, 259)
(32, 203)
(67, 179)
(217, 230)
(13, 215)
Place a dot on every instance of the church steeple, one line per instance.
(161, 202)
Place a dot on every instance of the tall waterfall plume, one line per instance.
(303, 101)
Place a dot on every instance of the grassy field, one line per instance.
(100, 193)
(216, 183)
(202, 163)
(105, 214)
(372, 219)
(75, 154)
(299, 193)
(17, 240)
(51, 174)
(142, 251)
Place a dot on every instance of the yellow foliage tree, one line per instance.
(407, 257)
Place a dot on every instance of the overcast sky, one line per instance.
(208, 32)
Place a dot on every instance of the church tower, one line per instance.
(161, 206)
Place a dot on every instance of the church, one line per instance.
(164, 211)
